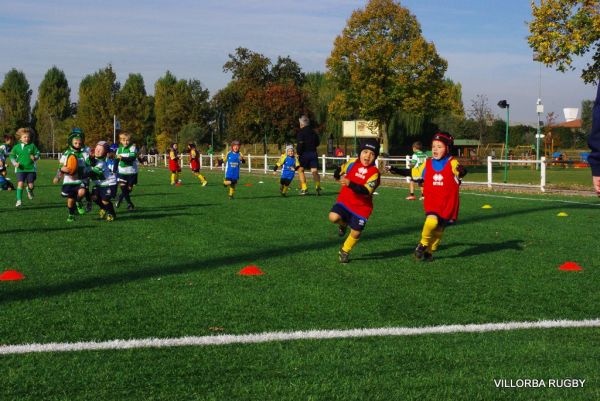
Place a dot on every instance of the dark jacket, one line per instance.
(594, 138)
(308, 140)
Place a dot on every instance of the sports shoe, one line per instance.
(319, 191)
(204, 183)
(427, 257)
(118, 203)
(130, 206)
(80, 209)
(411, 197)
(88, 207)
(303, 192)
(344, 256)
(102, 213)
(18, 204)
(29, 194)
(342, 230)
(420, 251)
(422, 198)
(70, 219)
(230, 197)
(110, 217)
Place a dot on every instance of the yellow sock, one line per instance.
(304, 186)
(349, 243)
(427, 235)
(200, 177)
(318, 185)
(284, 189)
(173, 178)
(231, 191)
(437, 238)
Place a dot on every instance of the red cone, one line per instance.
(570, 266)
(247, 185)
(251, 270)
(11, 275)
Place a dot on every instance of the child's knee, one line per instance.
(334, 217)
(355, 233)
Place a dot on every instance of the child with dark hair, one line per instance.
(174, 164)
(195, 163)
(354, 204)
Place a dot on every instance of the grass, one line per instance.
(169, 269)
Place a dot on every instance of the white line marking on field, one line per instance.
(530, 199)
(292, 335)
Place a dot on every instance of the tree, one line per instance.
(481, 113)
(382, 64)
(15, 98)
(248, 66)
(287, 70)
(586, 115)
(97, 101)
(133, 109)
(321, 91)
(561, 29)
(53, 106)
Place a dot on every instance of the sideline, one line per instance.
(293, 335)
(529, 199)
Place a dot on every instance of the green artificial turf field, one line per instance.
(170, 269)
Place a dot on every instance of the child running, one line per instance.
(5, 149)
(289, 163)
(72, 187)
(417, 160)
(105, 182)
(174, 165)
(23, 157)
(441, 176)
(195, 163)
(232, 167)
(355, 202)
(127, 169)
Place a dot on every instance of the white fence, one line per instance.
(262, 163)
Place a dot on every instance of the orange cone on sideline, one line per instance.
(247, 185)
(251, 270)
(11, 275)
(570, 266)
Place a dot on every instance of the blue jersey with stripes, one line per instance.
(288, 168)
(232, 165)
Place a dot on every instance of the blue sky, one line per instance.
(483, 41)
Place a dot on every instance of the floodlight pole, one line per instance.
(538, 136)
(355, 138)
(503, 104)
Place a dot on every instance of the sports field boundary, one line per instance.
(266, 337)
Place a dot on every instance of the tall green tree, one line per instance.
(52, 108)
(382, 64)
(561, 29)
(321, 91)
(249, 67)
(133, 110)
(15, 98)
(97, 105)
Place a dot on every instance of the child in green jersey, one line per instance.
(23, 157)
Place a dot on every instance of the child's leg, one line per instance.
(437, 238)
(427, 235)
(337, 219)
(19, 191)
(108, 206)
(231, 189)
(200, 177)
(351, 240)
(173, 177)
(129, 190)
(411, 186)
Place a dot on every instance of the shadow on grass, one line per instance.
(45, 291)
(475, 249)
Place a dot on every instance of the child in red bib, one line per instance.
(441, 176)
(355, 200)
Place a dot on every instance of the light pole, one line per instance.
(503, 104)
(538, 136)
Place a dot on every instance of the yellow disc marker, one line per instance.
(486, 206)
(562, 214)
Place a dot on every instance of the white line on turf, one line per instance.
(530, 199)
(293, 335)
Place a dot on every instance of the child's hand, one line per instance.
(32, 157)
(345, 182)
(17, 165)
(55, 180)
(596, 182)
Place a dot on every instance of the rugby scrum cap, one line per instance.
(444, 137)
(75, 133)
(372, 144)
(235, 142)
(104, 144)
(289, 147)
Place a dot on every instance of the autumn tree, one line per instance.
(97, 104)
(561, 29)
(382, 64)
(15, 98)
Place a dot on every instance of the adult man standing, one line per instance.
(308, 140)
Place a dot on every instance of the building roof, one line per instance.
(578, 123)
